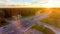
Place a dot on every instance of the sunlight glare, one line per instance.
(50, 4)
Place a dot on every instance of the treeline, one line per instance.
(7, 14)
(24, 12)
(28, 12)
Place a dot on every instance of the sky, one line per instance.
(54, 3)
(26, 0)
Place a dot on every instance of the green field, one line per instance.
(54, 18)
(3, 24)
(42, 29)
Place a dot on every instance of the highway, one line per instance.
(20, 26)
(40, 17)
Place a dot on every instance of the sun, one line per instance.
(50, 4)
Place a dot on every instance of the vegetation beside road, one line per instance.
(2, 24)
(42, 29)
(54, 18)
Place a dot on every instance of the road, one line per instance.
(37, 20)
(31, 21)
(53, 28)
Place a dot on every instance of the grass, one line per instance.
(54, 22)
(53, 19)
(3, 24)
(42, 29)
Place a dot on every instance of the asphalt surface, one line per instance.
(24, 24)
